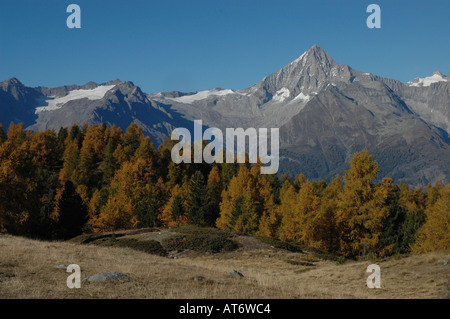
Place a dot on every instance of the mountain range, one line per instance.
(325, 112)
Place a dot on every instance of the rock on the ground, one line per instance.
(443, 262)
(235, 273)
(60, 266)
(108, 276)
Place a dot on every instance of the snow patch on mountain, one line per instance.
(302, 96)
(57, 103)
(281, 94)
(433, 78)
(201, 95)
(299, 58)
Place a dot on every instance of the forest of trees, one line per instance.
(57, 185)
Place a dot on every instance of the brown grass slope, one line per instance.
(27, 271)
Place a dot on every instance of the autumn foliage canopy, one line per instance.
(99, 178)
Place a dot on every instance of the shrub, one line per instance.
(340, 260)
(198, 241)
(175, 242)
(207, 231)
(94, 238)
(149, 246)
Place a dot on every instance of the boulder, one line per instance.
(235, 273)
(108, 276)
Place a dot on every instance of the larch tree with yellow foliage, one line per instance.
(129, 186)
(244, 202)
(434, 235)
(88, 172)
(299, 220)
(271, 220)
(326, 234)
(361, 209)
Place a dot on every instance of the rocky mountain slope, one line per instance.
(326, 111)
(114, 102)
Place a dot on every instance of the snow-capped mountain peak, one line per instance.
(434, 77)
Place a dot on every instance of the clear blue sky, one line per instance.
(190, 45)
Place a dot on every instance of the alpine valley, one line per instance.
(325, 112)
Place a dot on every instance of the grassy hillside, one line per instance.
(270, 269)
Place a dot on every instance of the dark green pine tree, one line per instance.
(391, 236)
(147, 211)
(76, 134)
(150, 204)
(214, 192)
(413, 221)
(62, 135)
(177, 208)
(73, 213)
(40, 223)
(3, 136)
(109, 163)
(198, 200)
(400, 226)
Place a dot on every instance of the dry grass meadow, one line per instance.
(27, 271)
